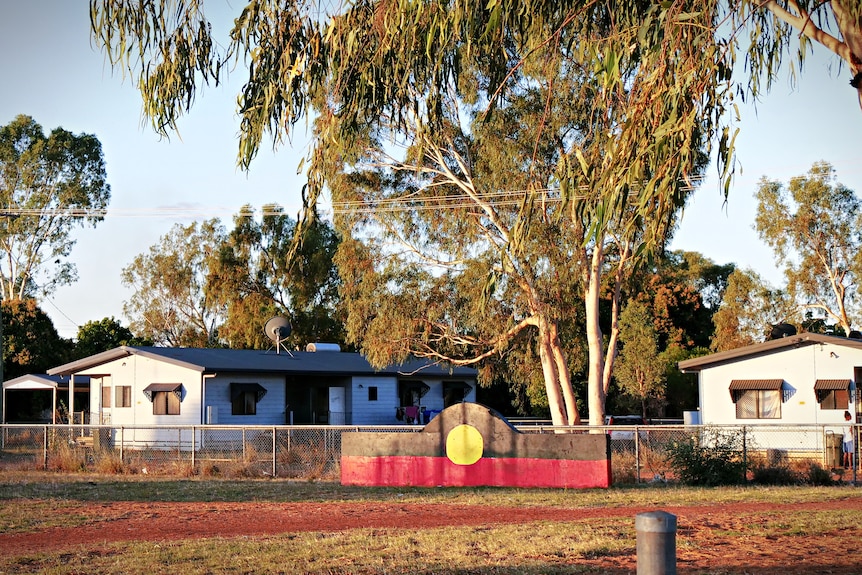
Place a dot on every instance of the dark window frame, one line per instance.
(834, 399)
(123, 396)
(166, 403)
(244, 403)
(758, 395)
(244, 398)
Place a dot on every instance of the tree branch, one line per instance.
(805, 26)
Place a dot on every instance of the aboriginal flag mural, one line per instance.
(469, 444)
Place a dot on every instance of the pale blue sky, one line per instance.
(51, 72)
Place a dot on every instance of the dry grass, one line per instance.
(34, 501)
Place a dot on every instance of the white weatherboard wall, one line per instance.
(799, 367)
(139, 372)
(270, 409)
(382, 411)
(379, 412)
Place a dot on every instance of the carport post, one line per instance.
(656, 543)
(71, 407)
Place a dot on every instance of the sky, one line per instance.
(50, 71)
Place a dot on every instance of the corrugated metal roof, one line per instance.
(44, 381)
(775, 345)
(745, 384)
(831, 384)
(261, 361)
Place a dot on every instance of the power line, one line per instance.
(502, 198)
(161, 212)
(413, 201)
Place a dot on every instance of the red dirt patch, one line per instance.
(705, 540)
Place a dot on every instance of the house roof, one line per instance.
(208, 360)
(40, 381)
(772, 346)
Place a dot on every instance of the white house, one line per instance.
(806, 379)
(140, 386)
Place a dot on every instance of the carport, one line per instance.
(55, 385)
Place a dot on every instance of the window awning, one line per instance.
(831, 384)
(176, 388)
(453, 386)
(237, 389)
(419, 386)
(823, 388)
(738, 385)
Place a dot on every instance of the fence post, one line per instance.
(122, 443)
(45, 449)
(656, 543)
(744, 454)
(194, 445)
(274, 452)
(853, 457)
(637, 455)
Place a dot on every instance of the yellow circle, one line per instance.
(464, 445)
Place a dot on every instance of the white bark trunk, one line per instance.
(552, 380)
(595, 388)
(564, 376)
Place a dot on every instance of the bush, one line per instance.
(816, 475)
(714, 457)
(774, 475)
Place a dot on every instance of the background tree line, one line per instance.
(538, 156)
(204, 286)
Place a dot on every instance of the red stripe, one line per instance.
(499, 472)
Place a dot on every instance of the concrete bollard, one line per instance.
(656, 543)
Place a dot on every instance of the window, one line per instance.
(833, 393)
(123, 396)
(759, 404)
(244, 398)
(411, 392)
(757, 398)
(372, 393)
(454, 392)
(166, 397)
(106, 396)
(166, 403)
(837, 399)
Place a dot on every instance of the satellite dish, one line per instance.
(278, 329)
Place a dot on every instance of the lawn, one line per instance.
(64, 524)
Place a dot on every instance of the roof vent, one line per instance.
(323, 347)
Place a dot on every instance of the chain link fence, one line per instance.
(638, 453)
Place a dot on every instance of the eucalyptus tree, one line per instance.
(749, 309)
(256, 276)
(30, 343)
(97, 336)
(814, 227)
(640, 370)
(49, 185)
(169, 304)
(659, 85)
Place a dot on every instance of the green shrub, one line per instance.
(817, 475)
(774, 475)
(712, 457)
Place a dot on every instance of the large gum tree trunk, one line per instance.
(595, 387)
(564, 376)
(552, 380)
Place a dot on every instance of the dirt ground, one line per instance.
(708, 536)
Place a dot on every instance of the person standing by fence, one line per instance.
(848, 440)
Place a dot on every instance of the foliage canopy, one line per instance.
(49, 185)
